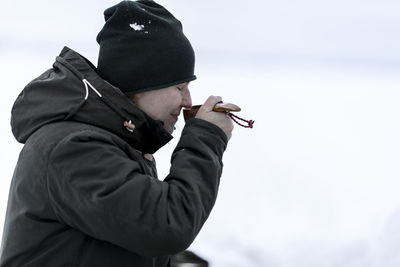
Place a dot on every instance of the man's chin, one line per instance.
(170, 129)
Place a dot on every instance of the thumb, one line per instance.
(211, 102)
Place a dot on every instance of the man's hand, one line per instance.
(221, 119)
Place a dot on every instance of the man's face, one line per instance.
(165, 104)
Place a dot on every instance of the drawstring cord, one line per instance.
(80, 105)
(86, 83)
(127, 123)
(235, 118)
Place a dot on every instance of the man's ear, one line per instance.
(135, 97)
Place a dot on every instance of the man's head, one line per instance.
(165, 104)
(143, 48)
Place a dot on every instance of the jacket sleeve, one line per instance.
(97, 188)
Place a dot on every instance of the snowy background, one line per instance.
(316, 182)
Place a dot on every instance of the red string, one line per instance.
(235, 118)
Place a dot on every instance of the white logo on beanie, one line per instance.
(137, 27)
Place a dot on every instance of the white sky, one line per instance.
(315, 183)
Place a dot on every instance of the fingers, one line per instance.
(211, 102)
(220, 119)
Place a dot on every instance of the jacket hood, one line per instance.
(73, 91)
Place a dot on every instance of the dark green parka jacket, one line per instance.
(83, 194)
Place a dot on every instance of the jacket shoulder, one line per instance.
(50, 135)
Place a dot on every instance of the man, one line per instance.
(85, 190)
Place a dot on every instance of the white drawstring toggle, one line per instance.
(129, 126)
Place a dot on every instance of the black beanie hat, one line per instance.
(142, 48)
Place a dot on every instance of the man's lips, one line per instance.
(175, 114)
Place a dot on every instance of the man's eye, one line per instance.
(179, 88)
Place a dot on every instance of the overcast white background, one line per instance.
(316, 182)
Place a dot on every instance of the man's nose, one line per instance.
(186, 98)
